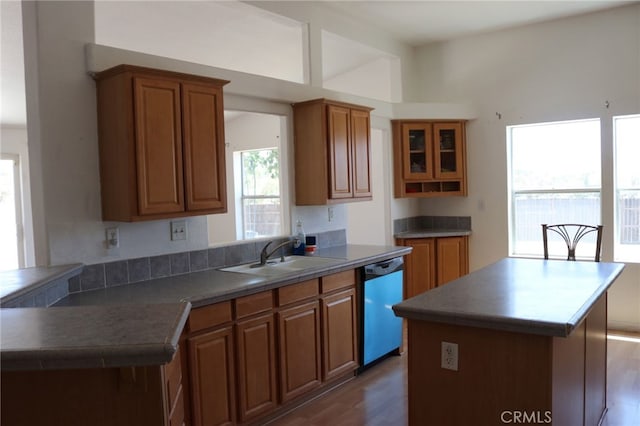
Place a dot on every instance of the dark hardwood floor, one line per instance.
(379, 395)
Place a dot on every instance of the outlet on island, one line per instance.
(449, 358)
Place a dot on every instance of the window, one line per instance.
(260, 197)
(11, 244)
(554, 177)
(626, 136)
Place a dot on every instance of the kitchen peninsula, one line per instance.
(178, 349)
(519, 338)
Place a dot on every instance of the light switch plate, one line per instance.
(178, 230)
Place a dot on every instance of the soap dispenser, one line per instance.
(299, 240)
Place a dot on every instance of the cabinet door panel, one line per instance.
(447, 148)
(339, 334)
(256, 366)
(204, 147)
(417, 151)
(361, 139)
(158, 146)
(420, 267)
(452, 258)
(339, 153)
(212, 379)
(299, 333)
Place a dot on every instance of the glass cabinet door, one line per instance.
(417, 151)
(448, 150)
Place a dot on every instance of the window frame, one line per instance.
(17, 200)
(513, 194)
(620, 253)
(244, 197)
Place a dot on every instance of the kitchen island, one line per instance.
(521, 339)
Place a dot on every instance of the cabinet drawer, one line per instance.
(209, 316)
(296, 292)
(338, 281)
(254, 304)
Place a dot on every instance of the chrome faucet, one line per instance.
(264, 254)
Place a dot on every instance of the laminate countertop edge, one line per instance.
(432, 233)
(18, 282)
(533, 296)
(91, 336)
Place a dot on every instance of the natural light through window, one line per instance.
(8, 230)
(261, 205)
(626, 131)
(554, 177)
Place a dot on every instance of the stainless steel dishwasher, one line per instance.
(380, 329)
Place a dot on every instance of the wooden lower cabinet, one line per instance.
(434, 262)
(249, 357)
(174, 388)
(299, 345)
(420, 266)
(127, 396)
(212, 378)
(339, 327)
(256, 355)
(452, 259)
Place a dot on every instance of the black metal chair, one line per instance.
(572, 233)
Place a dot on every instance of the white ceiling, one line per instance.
(413, 22)
(419, 22)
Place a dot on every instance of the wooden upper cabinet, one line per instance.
(332, 152)
(161, 139)
(361, 148)
(158, 130)
(429, 158)
(204, 147)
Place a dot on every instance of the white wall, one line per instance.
(567, 69)
(62, 126)
(363, 226)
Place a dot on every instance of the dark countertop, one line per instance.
(15, 283)
(211, 286)
(84, 321)
(90, 336)
(433, 233)
(545, 297)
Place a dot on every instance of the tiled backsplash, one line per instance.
(43, 296)
(432, 222)
(121, 272)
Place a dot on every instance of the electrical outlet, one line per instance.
(449, 359)
(112, 237)
(330, 214)
(178, 230)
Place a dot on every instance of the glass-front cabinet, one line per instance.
(448, 150)
(429, 158)
(417, 151)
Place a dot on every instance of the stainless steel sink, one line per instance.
(275, 267)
